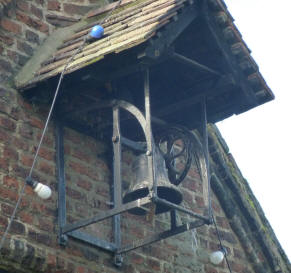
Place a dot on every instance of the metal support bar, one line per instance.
(179, 208)
(89, 239)
(182, 59)
(137, 146)
(206, 153)
(148, 132)
(161, 236)
(173, 219)
(117, 165)
(106, 214)
(59, 137)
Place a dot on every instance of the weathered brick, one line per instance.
(53, 5)
(10, 153)
(17, 227)
(10, 182)
(41, 238)
(79, 168)
(17, 58)
(32, 37)
(29, 255)
(23, 5)
(46, 154)
(11, 26)
(20, 144)
(7, 40)
(7, 209)
(27, 160)
(210, 269)
(26, 217)
(36, 11)
(24, 47)
(84, 184)
(5, 66)
(75, 194)
(4, 164)
(75, 9)
(7, 123)
(33, 23)
(46, 167)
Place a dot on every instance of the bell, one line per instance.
(141, 185)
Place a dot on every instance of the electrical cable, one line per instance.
(46, 125)
(220, 243)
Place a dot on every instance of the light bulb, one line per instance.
(216, 257)
(43, 191)
(97, 32)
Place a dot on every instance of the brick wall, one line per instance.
(32, 244)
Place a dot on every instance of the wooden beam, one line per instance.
(172, 31)
(229, 59)
(182, 59)
(223, 84)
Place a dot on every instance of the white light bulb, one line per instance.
(43, 191)
(216, 257)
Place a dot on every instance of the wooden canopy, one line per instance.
(192, 47)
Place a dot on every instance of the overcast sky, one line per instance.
(260, 139)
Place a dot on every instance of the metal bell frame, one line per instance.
(115, 247)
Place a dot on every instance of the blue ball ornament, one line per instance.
(97, 32)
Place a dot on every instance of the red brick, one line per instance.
(27, 160)
(7, 123)
(79, 168)
(75, 9)
(4, 136)
(46, 154)
(74, 194)
(36, 11)
(11, 182)
(46, 168)
(26, 217)
(210, 269)
(11, 26)
(35, 122)
(4, 165)
(154, 265)
(22, 5)
(53, 5)
(84, 184)
(10, 153)
(51, 260)
(6, 209)
(7, 40)
(34, 23)
(136, 259)
(80, 269)
(16, 57)
(20, 144)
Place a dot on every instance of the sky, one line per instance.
(260, 139)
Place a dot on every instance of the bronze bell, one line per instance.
(141, 185)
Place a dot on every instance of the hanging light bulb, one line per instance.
(217, 257)
(96, 32)
(43, 191)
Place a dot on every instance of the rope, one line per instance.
(46, 125)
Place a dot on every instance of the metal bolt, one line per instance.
(115, 138)
(148, 153)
